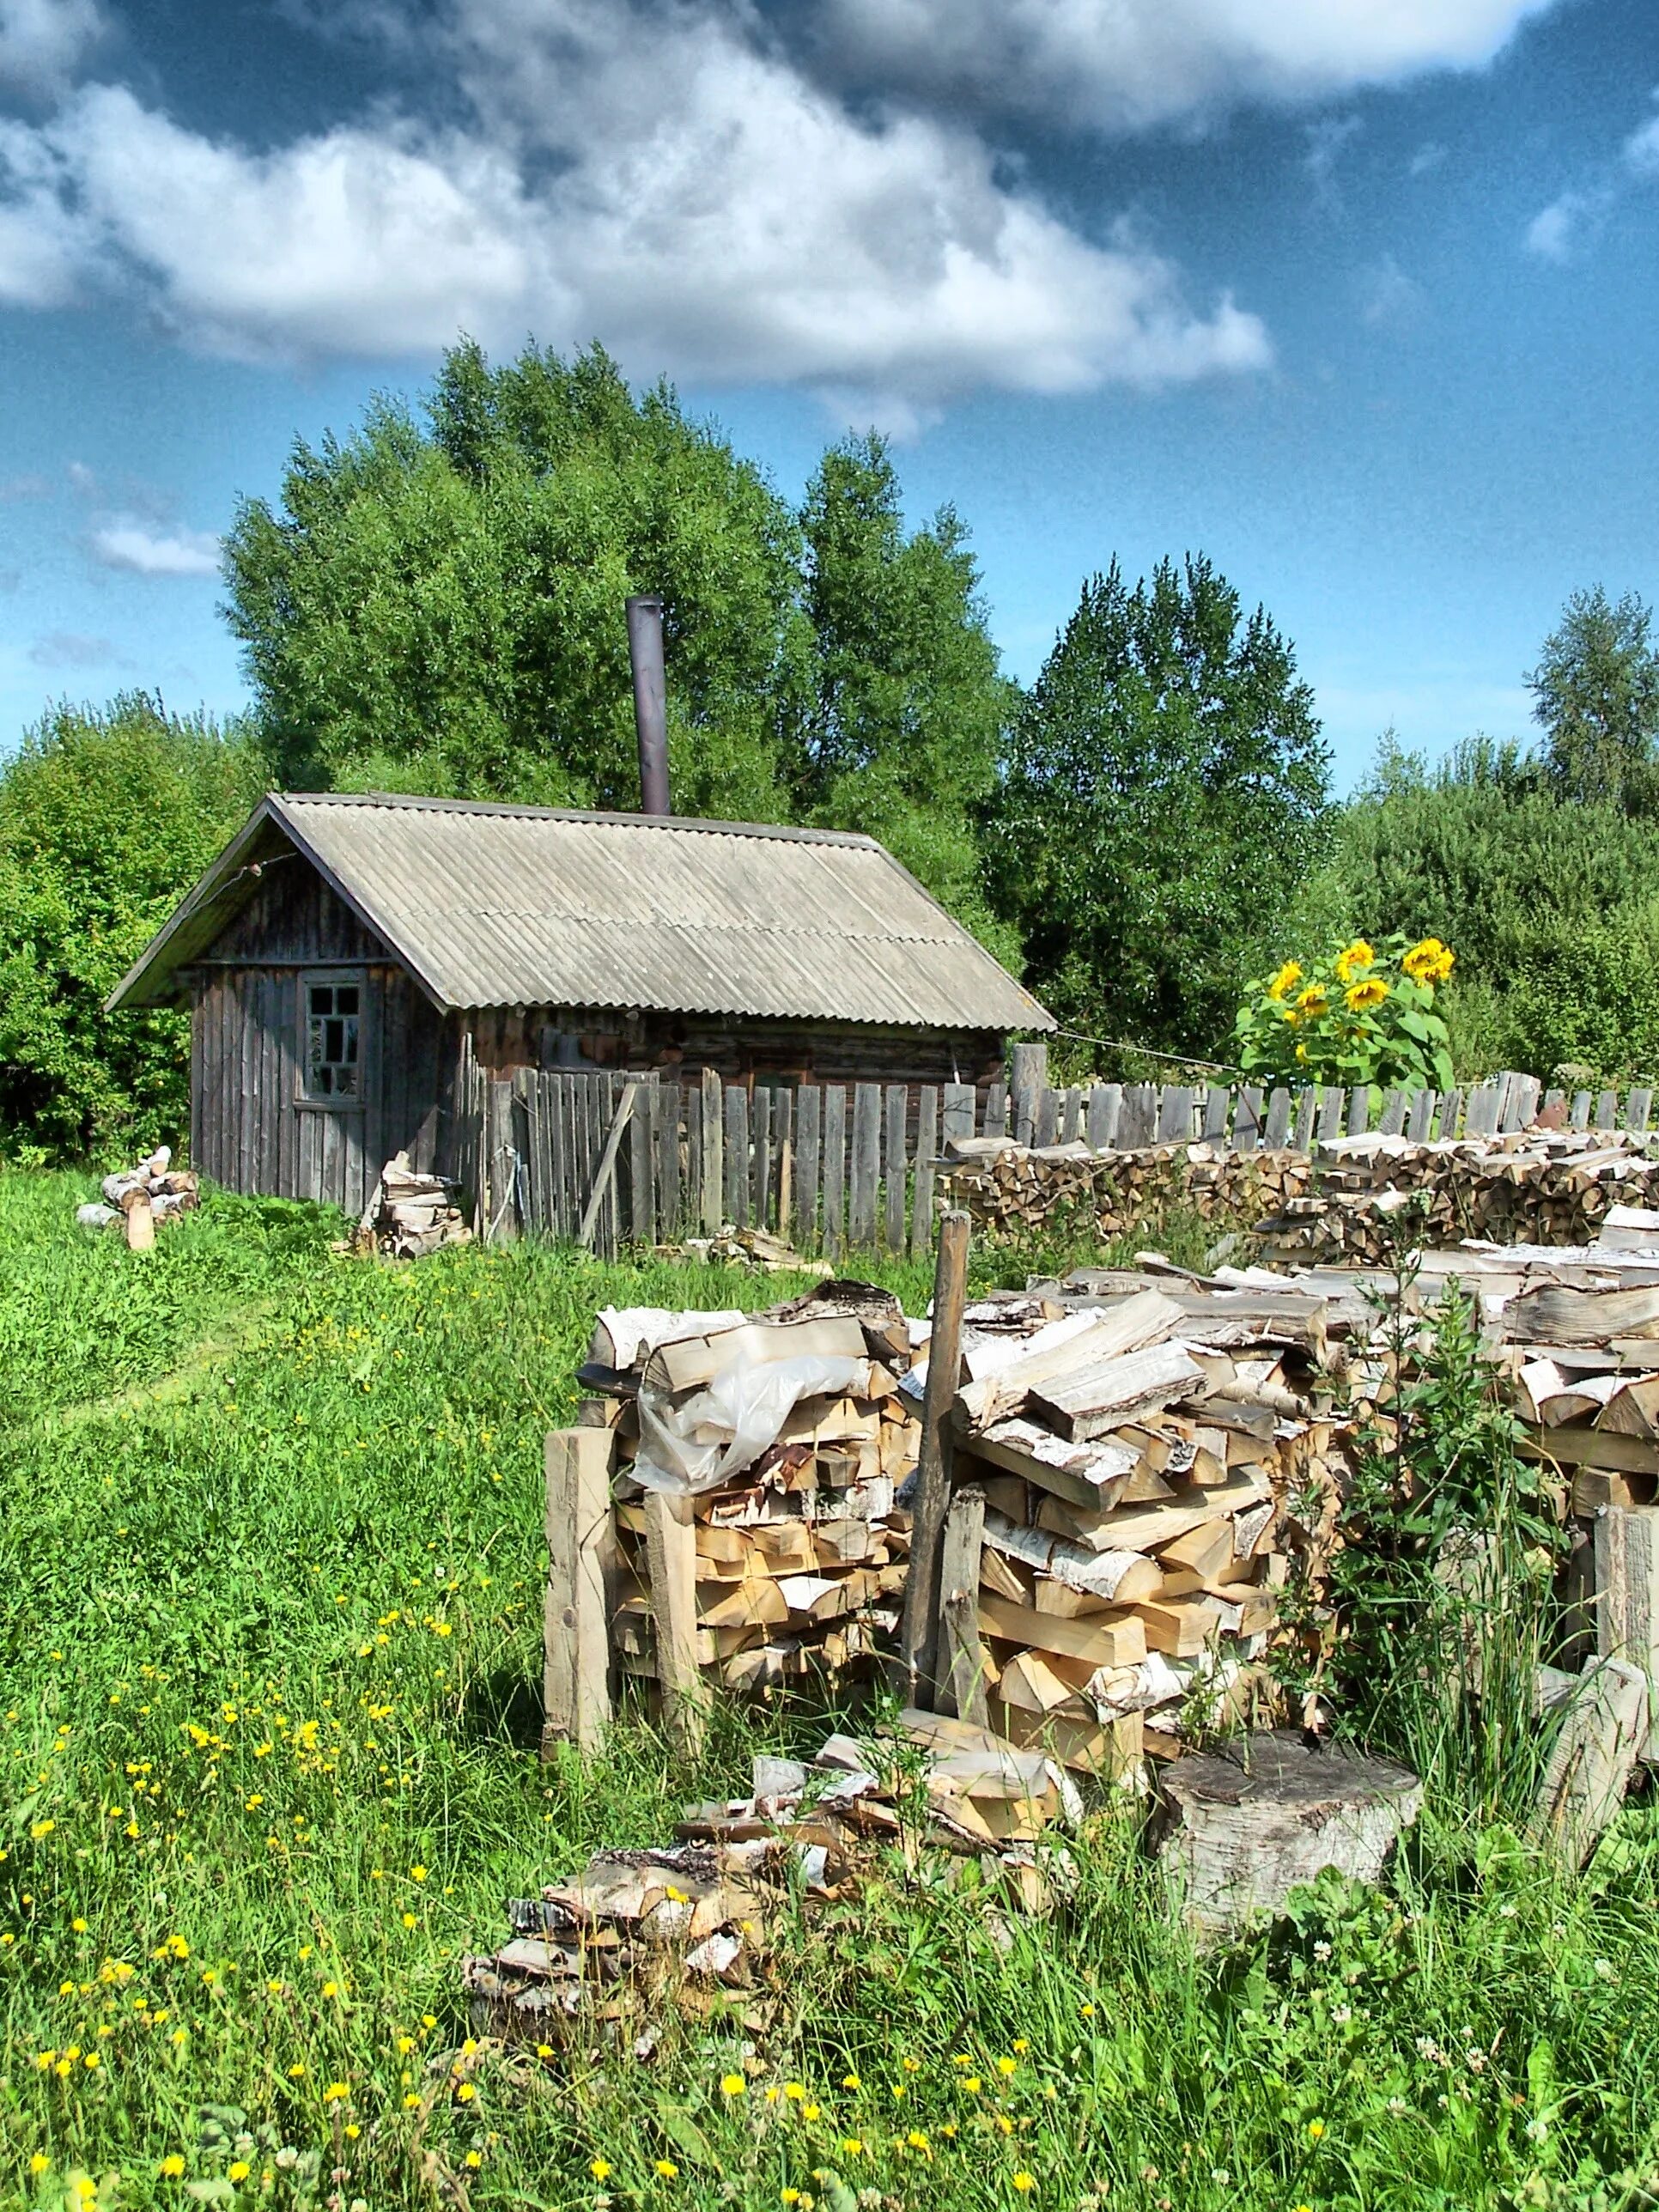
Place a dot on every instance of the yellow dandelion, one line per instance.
(473, 2158)
(851, 2146)
(733, 2085)
(1315, 2129)
(1025, 2182)
(410, 2101)
(973, 2085)
(851, 2081)
(465, 2094)
(1088, 2011)
(916, 2140)
(171, 2167)
(330, 1988)
(410, 1920)
(1006, 2066)
(812, 2112)
(334, 2093)
(600, 2169)
(237, 2170)
(795, 2091)
(79, 1926)
(1286, 979)
(789, 2196)
(914, 2065)
(667, 2169)
(1004, 2124)
(1361, 997)
(39, 2162)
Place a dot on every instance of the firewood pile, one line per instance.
(1013, 1191)
(410, 1214)
(1156, 1463)
(1535, 1187)
(690, 1925)
(1347, 1205)
(139, 1197)
(760, 1457)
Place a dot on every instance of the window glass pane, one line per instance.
(345, 998)
(333, 1040)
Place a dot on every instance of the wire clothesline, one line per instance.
(1147, 1052)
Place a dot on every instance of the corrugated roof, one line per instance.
(493, 906)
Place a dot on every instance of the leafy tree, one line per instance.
(1595, 691)
(900, 738)
(106, 820)
(438, 607)
(1163, 791)
(1551, 909)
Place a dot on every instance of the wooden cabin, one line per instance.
(348, 960)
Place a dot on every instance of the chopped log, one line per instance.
(1244, 1826)
(961, 1659)
(671, 1551)
(1595, 1755)
(1626, 1551)
(140, 1220)
(1116, 1640)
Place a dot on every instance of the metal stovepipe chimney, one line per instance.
(650, 702)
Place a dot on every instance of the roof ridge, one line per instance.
(800, 833)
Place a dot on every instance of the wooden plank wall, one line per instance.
(837, 1168)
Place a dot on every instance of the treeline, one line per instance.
(436, 605)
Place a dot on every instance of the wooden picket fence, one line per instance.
(605, 1159)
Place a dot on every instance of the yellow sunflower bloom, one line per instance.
(1313, 1002)
(1361, 997)
(1356, 955)
(1286, 979)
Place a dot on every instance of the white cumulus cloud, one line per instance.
(1133, 63)
(43, 41)
(124, 542)
(707, 209)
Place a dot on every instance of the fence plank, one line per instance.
(1606, 1110)
(667, 1112)
(1420, 1118)
(1046, 1129)
(1394, 1113)
(1554, 1100)
(736, 1140)
(1637, 1108)
(641, 1162)
(866, 1164)
(1278, 1119)
(1105, 1105)
(809, 1120)
(1138, 1118)
(1451, 1105)
(834, 1170)
(714, 1146)
(960, 1101)
(1175, 1114)
(1302, 1127)
(1217, 1105)
(1359, 1110)
(1330, 1113)
(1028, 1074)
(921, 1210)
(893, 1163)
(1579, 1118)
(783, 1153)
(996, 1110)
(760, 1157)
(1247, 1119)
(1071, 1115)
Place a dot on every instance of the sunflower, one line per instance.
(1286, 979)
(1356, 955)
(1361, 997)
(1430, 962)
(1313, 1002)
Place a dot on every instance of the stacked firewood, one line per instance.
(788, 1434)
(1353, 1202)
(1010, 1190)
(1157, 1464)
(138, 1197)
(1536, 1187)
(410, 1214)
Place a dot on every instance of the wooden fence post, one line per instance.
(671, 1551)
(1028, 1077)
(961, 1665)
(916, 1629)
(576, 1654)
(921, 1215)
(898, 1109)
(866, 1164)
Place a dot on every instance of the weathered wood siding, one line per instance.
(738, 1050)
(252, 1128)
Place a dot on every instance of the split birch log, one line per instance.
(1626, 1542)
(1244, 1826)
(141, 1220)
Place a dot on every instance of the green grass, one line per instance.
(270, 1575)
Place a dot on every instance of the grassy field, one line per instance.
(270, 1592)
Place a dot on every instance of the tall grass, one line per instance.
(270, 1574)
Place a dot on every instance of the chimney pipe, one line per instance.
(650, 703)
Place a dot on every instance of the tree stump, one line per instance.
(1244, 1826)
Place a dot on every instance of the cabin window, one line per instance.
(334, 1036)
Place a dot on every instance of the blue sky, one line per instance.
(1358, 296)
